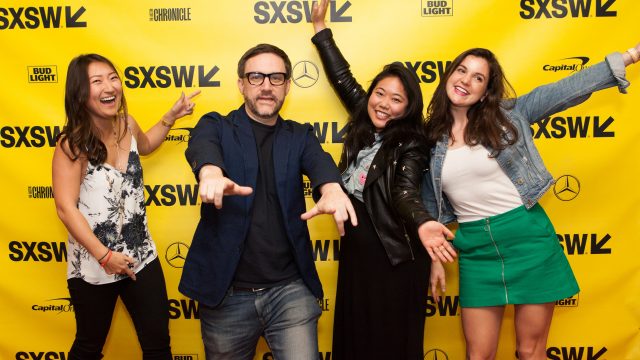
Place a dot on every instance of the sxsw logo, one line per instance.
(560, 127)
(559, 9)
(28, 136)
(170, 76)
(187, 309)
(576, 353)
(37, 251)
(43, 74)
(328, 132)
(271, 12)
(42, 355)
(447, 306)
(41, 17)
(427, 71)
(584, 244)
(437, 8)
(326, 250)
(170, 195)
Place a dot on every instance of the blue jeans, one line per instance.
(287, 317)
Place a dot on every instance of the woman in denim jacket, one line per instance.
(487, 175)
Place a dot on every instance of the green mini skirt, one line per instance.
(512, 258)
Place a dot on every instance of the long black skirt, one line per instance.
(380, 308)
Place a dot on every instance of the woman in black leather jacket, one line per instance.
(383, 276)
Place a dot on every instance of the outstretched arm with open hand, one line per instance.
(335, 202)
(434, 237)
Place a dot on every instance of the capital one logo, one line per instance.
(571, 64)
(566, 188)
(179, 135)
(176, 254)
(305, 74)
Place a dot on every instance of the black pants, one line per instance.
(145, 300)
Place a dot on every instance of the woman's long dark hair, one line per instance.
(360, 130)
(79, 132)
(487, 124)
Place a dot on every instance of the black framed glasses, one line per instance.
(257, 78)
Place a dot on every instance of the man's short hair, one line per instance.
(264, 49)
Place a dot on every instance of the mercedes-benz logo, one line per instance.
(305, 74)
(176, 254)
(566, 188)
(436, 354)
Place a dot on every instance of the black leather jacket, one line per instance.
(392, 190)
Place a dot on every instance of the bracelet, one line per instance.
(102, 264)
(166, 123)
(635, 55)
(104, 256)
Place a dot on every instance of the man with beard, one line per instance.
(250, 264)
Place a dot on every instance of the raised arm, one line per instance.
(549, 99)
(150, 140)
(335, 65)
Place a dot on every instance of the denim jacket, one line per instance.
(521, 161)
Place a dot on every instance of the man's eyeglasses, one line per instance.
(257, 78)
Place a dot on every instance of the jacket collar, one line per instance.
(281, 148)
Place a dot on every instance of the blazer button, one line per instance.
(193, 164)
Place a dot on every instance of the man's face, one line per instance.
(263, 102)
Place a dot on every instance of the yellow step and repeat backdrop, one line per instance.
(164, 47)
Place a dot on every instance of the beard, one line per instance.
(263, 112)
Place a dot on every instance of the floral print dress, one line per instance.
(113, 204)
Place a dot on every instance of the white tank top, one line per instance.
(475, 184)
(114, 206)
